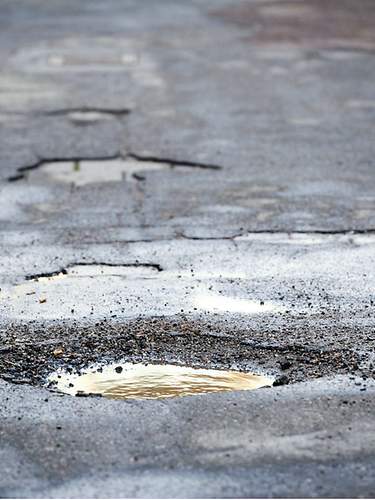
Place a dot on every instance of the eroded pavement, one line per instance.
(188, 183)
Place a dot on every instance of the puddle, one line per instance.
(40, 284)
(98, 171)
(88, 117)
(97, 270)
(140, 381)
(87, 56)
(73, 60)
(218, 303)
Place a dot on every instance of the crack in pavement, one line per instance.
(321, 232)
(173, 162)
(22, 171)
(209, 238)
(235, 238)
(65, 270)
(117, 112)
(169, 162)
(238, 236)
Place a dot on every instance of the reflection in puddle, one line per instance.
(29, 287)
(97, 270)
(140, 381)
(87, 117)
(48, 279)
(211, 302)
(37, 284)
(98, 171)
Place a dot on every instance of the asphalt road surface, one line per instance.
(188, 182)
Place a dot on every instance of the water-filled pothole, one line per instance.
(85, 172)
(141, 381)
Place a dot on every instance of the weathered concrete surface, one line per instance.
(235, 229)
(303, 439)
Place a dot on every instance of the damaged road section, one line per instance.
(87, 113)
(67, 286)
(31, 353)
(82, 171)
(288, 311)
(79, 115)
(96, 269)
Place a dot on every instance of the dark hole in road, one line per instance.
(149, 381)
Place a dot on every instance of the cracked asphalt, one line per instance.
(189, 183)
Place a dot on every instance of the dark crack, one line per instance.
(22, 171)
(117, 112)
(139, 177)
(348, 231)
(30, 277)
(65, 270)
(173, 162)
(210, 238)
(151, 265)
(235, 236)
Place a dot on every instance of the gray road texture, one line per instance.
(188, 182)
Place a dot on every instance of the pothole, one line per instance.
(87, 117)
(85, 272)
(30, 353)
(85, 172)
(79, 172)
(149, 381)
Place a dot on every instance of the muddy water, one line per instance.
(140, 381)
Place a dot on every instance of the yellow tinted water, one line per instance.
(140, 381)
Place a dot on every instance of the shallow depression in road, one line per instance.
(141, 381)
(85, 172)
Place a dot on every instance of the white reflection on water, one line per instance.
(219, 303)
(141, 381)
